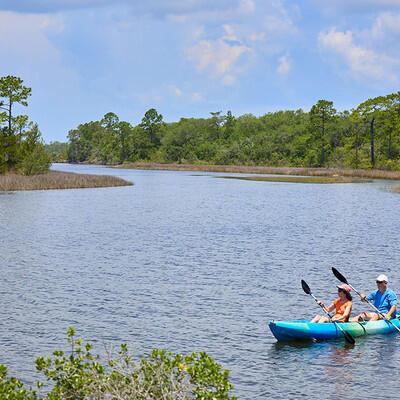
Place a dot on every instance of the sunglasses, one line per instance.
(378, 282)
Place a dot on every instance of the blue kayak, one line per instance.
(306, 330)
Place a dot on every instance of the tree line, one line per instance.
(21, 146)
(366, 137)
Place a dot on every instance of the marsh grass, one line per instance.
(296, 179)
(334, 172)
(58, 180)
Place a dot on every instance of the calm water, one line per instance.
(194, 263)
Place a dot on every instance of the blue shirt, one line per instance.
(383, 302)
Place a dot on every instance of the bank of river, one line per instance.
(58, 180)
(333, 172)
(193, 263)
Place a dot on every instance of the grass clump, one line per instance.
(58, 180)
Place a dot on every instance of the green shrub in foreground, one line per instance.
(81, 375)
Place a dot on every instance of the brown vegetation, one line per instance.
(354, 173)
(58, 180)
(297, 179)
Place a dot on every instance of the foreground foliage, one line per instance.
(81, 375)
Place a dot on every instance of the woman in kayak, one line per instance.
(342, 306)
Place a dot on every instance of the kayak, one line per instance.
(306, 330)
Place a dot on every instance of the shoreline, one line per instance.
(332, 172)
(58, 180)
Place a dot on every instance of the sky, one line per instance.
(187, 58)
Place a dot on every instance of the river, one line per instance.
(188, 262)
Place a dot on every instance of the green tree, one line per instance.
(33, 158)
(321, 115)
(58, 151)
(393, 124)
(370, 111)
(12, 91)
(151, 125)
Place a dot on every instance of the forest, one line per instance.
(367, 136)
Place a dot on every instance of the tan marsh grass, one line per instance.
(58, 180)
(296, 179)
(354, 173)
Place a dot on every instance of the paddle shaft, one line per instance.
(323, 308)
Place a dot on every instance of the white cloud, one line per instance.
(30, 53)
(177, 92)
(385, 24)
(196, 96)
(284, 65)
(246, 33)
(247, 6)
(361, 61)
(229, 33)
(218, 57)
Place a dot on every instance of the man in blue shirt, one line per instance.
(384, 299)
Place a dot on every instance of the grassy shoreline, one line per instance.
(58, 180)
(326, 172)
(298, 179)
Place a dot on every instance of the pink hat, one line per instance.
(345, 287)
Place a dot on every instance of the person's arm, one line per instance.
(346, 314)
(393, 303)
(388, 315)
(331, 307)
(327, 309)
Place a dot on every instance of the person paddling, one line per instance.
(342, 306)
(384, 299)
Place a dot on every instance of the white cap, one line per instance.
(382, 278)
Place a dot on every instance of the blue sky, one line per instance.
(84, 58)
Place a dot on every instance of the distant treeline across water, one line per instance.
(367, 136)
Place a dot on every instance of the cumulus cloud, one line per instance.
(259, 28)
(284, 65)
(219, 57)
(384, 25)
(360, 60)
(30, 48)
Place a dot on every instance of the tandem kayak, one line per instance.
(306, 330)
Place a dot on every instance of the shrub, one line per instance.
(81, 375)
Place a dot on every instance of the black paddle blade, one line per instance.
(339, 275)
(348, 337)
(305, 287)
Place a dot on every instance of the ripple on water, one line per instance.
(192, 263)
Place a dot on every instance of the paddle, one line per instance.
(347, 336)
(344, 280)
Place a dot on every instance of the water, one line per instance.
(193, 263)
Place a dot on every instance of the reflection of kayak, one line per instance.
(304, 329)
